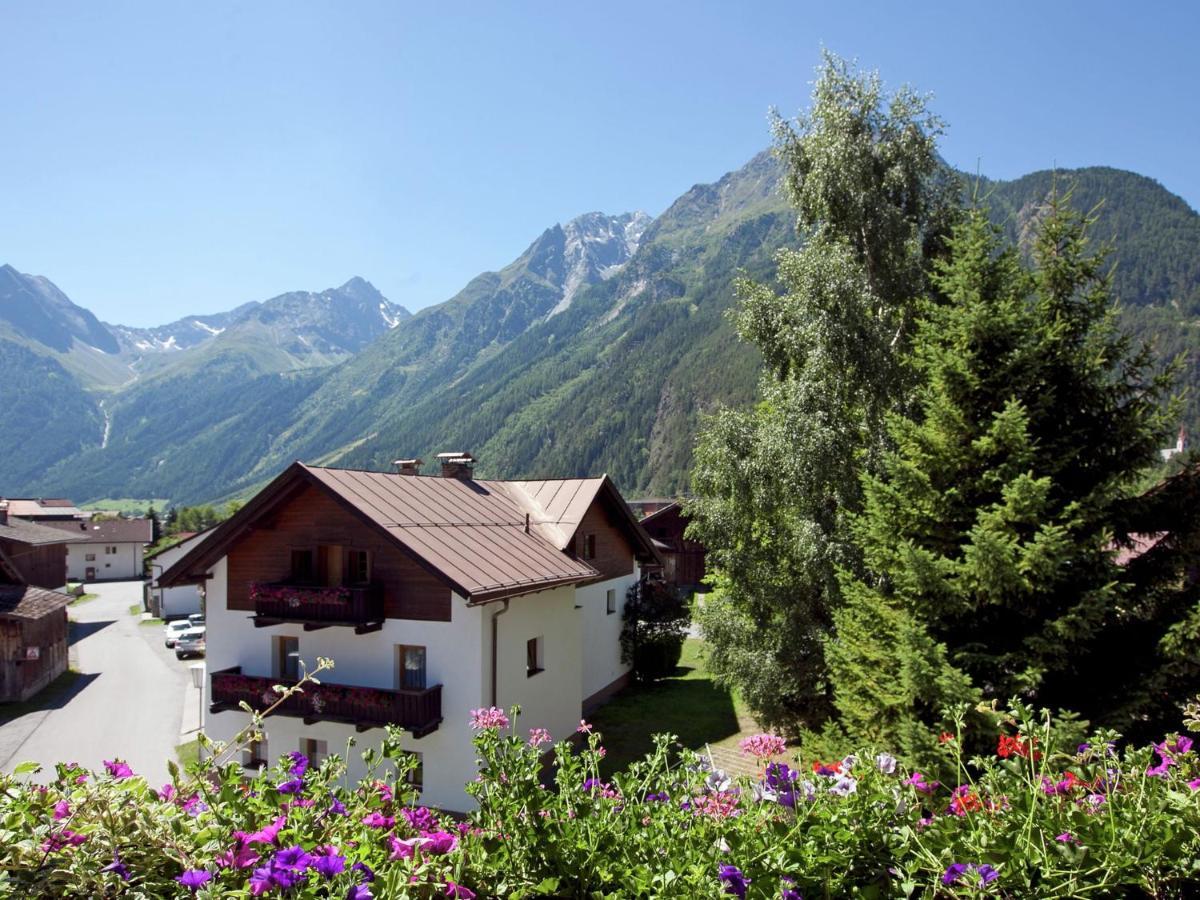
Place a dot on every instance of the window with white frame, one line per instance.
(610, 601)
(89, 557)
(286, 657)
(410, 667)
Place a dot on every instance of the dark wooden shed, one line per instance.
(33, 639)
(683, 559)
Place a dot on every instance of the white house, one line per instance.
(109, 550)
(433, 595)
(178, 601)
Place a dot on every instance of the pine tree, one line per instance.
(987, 534)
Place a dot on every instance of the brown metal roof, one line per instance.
(108, 531)
(33, 534)
(21, 602)
(473, 532)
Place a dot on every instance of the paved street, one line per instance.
(128, 701)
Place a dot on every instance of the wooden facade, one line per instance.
(309, 520)
(43, 565)
(33, 650)
(602, 544)
(683, 559)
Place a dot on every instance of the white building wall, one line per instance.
(455, 658)
(175, 602)
(602, 632)
(551, 699)
(124, 564)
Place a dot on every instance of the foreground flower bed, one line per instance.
(1030, 819)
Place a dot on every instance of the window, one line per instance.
(589, 546)
(254, 755)
(110, 551)
(303, 569)
(358, 567)
(610, 602)
(89, 557)
(415, 777)
(410, 667)
(287, 658)
(315, 750)
(533, 657)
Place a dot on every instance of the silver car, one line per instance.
(190, 643)
(174, 630)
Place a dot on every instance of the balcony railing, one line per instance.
(318, 606)
(418, 711)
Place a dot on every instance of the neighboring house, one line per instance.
(33, 617)
(683, 559)
(178, 601)
(433, 595)
(43, 509)
(108, 550)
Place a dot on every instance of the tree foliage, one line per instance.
(655, 624)
(775, 482)
(988, 532)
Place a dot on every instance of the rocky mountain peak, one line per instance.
(595, 247)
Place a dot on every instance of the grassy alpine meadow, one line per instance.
(1042, 814)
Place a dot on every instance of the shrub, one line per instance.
(655, 625)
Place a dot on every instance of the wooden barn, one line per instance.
(683, 559)
(33, 613)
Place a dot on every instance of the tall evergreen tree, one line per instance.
(987, 534)
(774, 483)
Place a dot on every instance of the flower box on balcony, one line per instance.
(318, 606)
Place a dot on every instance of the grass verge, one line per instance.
(688, 704)
(83, 598)
(188, 753)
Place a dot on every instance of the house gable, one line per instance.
(309, 518)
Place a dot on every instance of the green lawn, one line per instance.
(130, 506)
(188, 753)
(83, 598)
(688, 705)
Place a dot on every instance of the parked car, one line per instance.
(190, 643)
(197, 620)
(174, 630)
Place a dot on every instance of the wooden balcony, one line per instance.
(419, 712)
(317, 606)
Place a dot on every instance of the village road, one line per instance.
(127, 702)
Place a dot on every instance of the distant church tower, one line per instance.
(1181, 444)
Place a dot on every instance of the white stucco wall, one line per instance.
(175, 601)
(551, 699)
(601, 636)
(455, 657)
(125, 563)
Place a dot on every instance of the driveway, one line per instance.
(127, 702)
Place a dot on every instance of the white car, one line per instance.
(190, 643)
(174, 629)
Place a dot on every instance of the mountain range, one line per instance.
(598, 349)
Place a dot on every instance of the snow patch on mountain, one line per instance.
(597, 247)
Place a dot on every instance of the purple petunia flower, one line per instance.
(844, 786)
(62, 810)
(457, 890)
(419, 818)
(266, 835)
(1180, 746)
(336, 806)
(986, 874)
(954, 872)
(299, 763)
(732, 880)
(1067, 838)
(364, 872)
(886, 763)
(327, 861)
(118, 868)
(788, 891)
(294, 786)
(917, 780)
(378, 820)
(358, 892)
(118, 769)
(194, 879)
(261, 881)
(439, 842)
(295, 858)
(1195, 784)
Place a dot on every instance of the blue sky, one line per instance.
(171, 158)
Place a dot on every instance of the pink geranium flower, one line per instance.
(763, 746)
(486, 718)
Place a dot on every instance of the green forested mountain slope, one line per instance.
(596, 350)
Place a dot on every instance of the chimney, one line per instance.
(408, 466)
(456, 464)
(3, 512)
